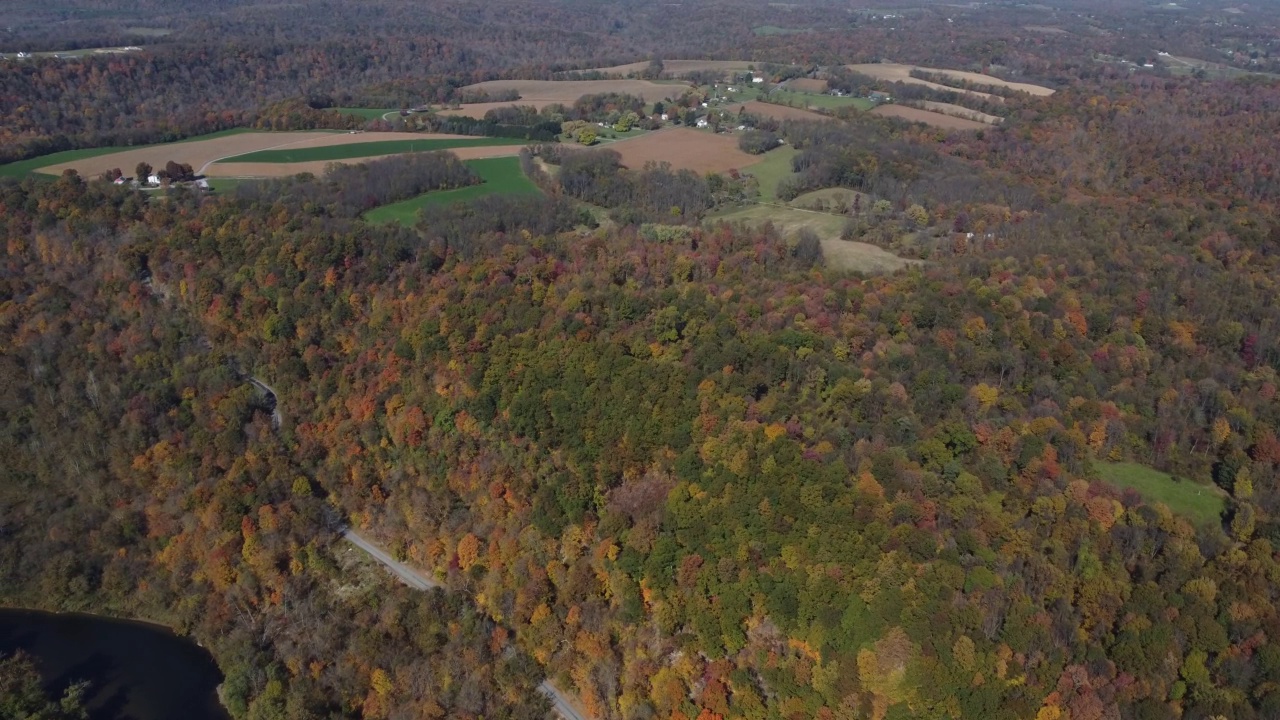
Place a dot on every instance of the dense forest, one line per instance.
(681, 467)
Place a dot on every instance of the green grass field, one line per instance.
(367, 113)
(1202, 504)
(501, 175)
(366, 149)
(775, 167)
(817, 100)
(23, 167)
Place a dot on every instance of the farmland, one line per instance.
(197, 152)
(316, 167)
(61, 160)
(1201, 503)
(895, 72)
(500, 175)
(961, 112)
(685, 149)
(946, 122)
(376, 148)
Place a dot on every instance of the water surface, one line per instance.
(138, 671)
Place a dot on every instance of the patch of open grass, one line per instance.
(23, 167)
(819, 100)
(1202, 504)
(775, 167)
(500, 175)
(838, 254)
(366, 149)
(367, 113)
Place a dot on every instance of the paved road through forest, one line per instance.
(559, 702)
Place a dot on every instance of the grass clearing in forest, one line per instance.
(838, 254)
(773, 169)
(367, 113)
(500, 175)
(329, 153)
(1202, 504)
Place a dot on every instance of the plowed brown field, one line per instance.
(685, 149)
(894, 72)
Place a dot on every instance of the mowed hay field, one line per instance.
(500, 175)
(782, 112)
(194, 152)
(685, 149)
(961, 112)
(947, 122)
(541, 93)
(315, 167)
(894, 72)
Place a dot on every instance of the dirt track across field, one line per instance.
(201, 154)
(273, 170)
(927, 117)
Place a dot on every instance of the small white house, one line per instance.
(202, 184)
(742, 127)
(733, 89)
(702, 122)
(665, 117)
(757, 79)
(153, 179)
(704, 104)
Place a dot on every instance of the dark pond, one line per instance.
(138, 671)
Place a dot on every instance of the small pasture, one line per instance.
(1202, 504)
(774, 167)
(500, 175)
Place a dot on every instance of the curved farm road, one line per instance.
(560, 703)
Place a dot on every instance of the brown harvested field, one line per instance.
(894, 72)
(961, 112)
(201, 154)
(1048, 30)
(267, 170)
(782, 112)
(685, 149)
(807, 85)
(929, 118)
(676, 67)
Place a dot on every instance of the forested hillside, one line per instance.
(684, 468)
